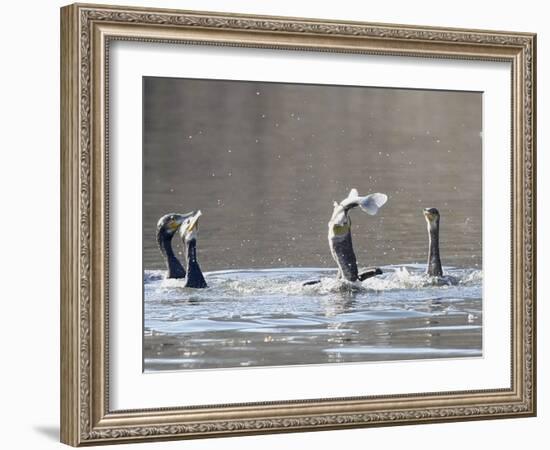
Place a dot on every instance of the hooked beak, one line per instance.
(193, 222)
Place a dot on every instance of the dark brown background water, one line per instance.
(264, 161)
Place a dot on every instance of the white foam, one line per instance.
(290, 281)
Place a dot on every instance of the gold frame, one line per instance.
(86, 31)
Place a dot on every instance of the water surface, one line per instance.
(264, 162)
(267, 318)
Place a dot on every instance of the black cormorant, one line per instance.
(167, 227)
(187, 225)
(188, 233)
(433, 267)
(339, 235)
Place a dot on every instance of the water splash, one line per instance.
(268, 317)
(290, 281)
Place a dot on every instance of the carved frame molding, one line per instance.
(86, 32)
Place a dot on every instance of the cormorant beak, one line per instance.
(194, 221)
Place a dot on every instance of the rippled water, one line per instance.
(267, 318)
(263, 162)
(265, 169)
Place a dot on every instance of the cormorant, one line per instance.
(188, 233)
(339, 235)
(433, 267)
(187, 225)
(166, 228)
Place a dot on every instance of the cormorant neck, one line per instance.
(434, 260)
(191, 251)
(195, 278)
(175, 269)
(341, 247)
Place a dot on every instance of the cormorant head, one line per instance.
(169, 224)
(432, 216)
(340, 222)
(190, 226)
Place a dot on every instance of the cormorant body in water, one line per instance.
(187, 224)
(434, 267)
(339, 235)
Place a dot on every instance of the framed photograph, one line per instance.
(212, 281)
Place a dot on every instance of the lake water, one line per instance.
(267, 318)
(264, 162)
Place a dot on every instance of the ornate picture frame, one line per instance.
(87, 31)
